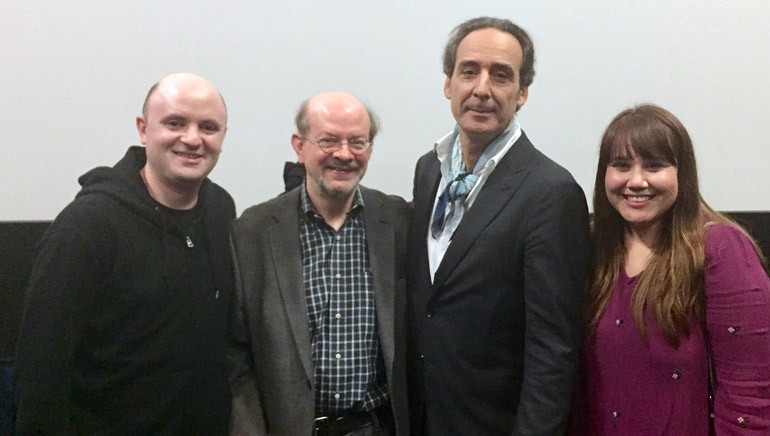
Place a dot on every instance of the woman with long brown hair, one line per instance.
(679, 299)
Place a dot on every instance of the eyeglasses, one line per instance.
(330, 145)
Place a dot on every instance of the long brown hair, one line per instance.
(671, 286)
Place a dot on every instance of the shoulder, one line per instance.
(85, 232)
(548, 184)
(390, 203)
(387, 208)
(264, 213)
(542, 174)
(731, 258)
(550, 194)
(218, 200)
(88, 214)
(726, 240)
(429, 158)
(547, 169)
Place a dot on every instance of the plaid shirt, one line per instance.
(349, 373)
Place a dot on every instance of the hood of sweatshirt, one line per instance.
(123, 182)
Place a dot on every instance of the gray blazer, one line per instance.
(269, 348)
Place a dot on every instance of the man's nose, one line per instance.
(481, 88)
(343, 153)
(192, 136)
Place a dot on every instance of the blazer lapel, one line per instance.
(286, 250)
(380, 244)
(424, 197)
(494, 195)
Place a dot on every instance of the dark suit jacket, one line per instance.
(494, 340)
(272, 368)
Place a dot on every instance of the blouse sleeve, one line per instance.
(738, 320)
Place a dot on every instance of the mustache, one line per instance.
(340, 164)
(473, 106)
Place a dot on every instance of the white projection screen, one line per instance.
(74, 74)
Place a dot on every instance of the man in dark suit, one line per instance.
(318, 343)
(498, 255)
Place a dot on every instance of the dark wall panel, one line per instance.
(17, 252)
(18, 242)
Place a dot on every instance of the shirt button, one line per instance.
(676, 375)
(743, 422)
(337, 237)
(732, 330)
(429, 315)
(336, 396)
(618, 322)
(338, 275)
(338, 356)
(614, 414)
(338, 315)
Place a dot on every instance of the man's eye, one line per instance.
(174, 123)
(210, 127)
(357, 143)
(328, 142)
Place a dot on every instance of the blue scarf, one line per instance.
(462, 181)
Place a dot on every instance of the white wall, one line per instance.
(74, 74)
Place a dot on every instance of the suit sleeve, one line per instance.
(738, 318)
(556, 264)
(65, 275)
(247, 414)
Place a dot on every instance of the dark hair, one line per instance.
(300, 120)
(671, 286)
(527, 71)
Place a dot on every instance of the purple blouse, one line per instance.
(635, 388)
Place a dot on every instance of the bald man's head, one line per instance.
(340, 100)
(182, 126)
(333, 142)
(173, 81)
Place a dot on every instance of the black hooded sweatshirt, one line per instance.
(124, 327)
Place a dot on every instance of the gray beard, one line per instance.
(336, 194)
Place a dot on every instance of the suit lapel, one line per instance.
(380, 239)
(285, 246)
(424, 197)
(494, 195)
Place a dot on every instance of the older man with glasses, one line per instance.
(317, 345)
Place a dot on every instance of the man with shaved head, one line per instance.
(126, 315)
(317, 345)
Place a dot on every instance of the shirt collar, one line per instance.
(309, 210)
(498, 146)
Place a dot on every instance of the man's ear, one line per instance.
(296, 143)
(141, 127)
(448, 88)
(523, 94)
